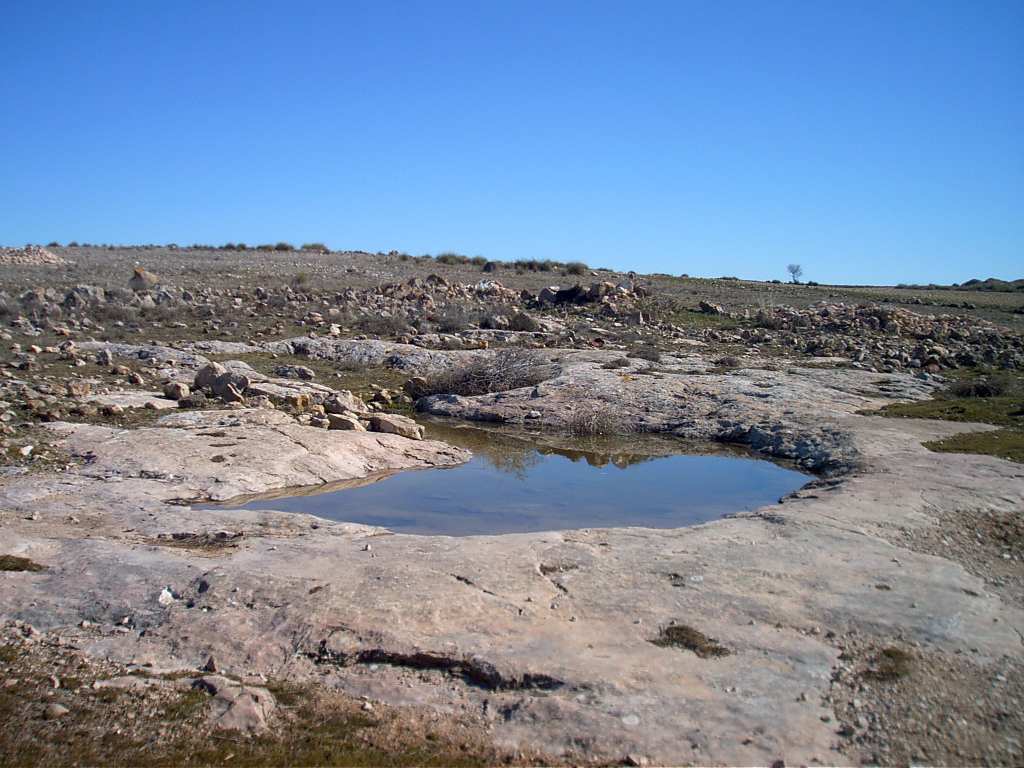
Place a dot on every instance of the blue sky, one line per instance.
(870, 141)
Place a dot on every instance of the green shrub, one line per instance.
(536, 265)
(282, 246)
(316, 247)
(986, 387)
(451, 258)
(576, 268)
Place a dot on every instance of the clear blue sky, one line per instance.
(869, 141)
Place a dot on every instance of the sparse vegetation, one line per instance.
(167, 726)
(505, 370)
(576, 268)
(523, 323)
(536, 265)
(646, 352)
(891, 663)
(456, 318)
(795, 273)
(592, 420)
(620, 362)
(383, 326)
(728, 362)
(15, 563)
(683, 636)
(318, 247)
(451, 258)
(982, 397)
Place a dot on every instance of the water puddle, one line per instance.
(519, 483)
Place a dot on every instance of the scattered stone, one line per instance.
(176, 390)
(344, 421)
(78, 388)
(295, 372)
(55, 711)
(142, 280)
(395, 424)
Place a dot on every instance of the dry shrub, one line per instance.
(524, 323)
(588, 420)
(620, 362)
(646, 352)
(987, 387)
(456, 318)
(505, 370)
(376, 325)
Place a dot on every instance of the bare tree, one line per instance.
(795, 272)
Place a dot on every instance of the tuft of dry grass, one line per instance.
(588, 420)
(15, 563)
(890, 664)
(690, 639)
(505, 370)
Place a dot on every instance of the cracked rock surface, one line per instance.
(547, 637)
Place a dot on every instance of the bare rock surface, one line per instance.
(218, 455)
(557, 639)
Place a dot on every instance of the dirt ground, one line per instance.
(58, 707)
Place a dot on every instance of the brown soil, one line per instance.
(165, 722)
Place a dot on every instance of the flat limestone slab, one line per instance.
(546, 637)
(217, 455)
(134, 400)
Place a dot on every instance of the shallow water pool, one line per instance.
(516, 485)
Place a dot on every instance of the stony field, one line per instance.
(876, 616)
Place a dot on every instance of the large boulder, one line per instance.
(230, 380)
(208, 374)
(394, 424)
(547, 295)
(344, 421)
(237, 707)
(176, 390)
(344, 401)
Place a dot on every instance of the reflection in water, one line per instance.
(515, 451)
(518, 482)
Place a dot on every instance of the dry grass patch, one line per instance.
(690, 639)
